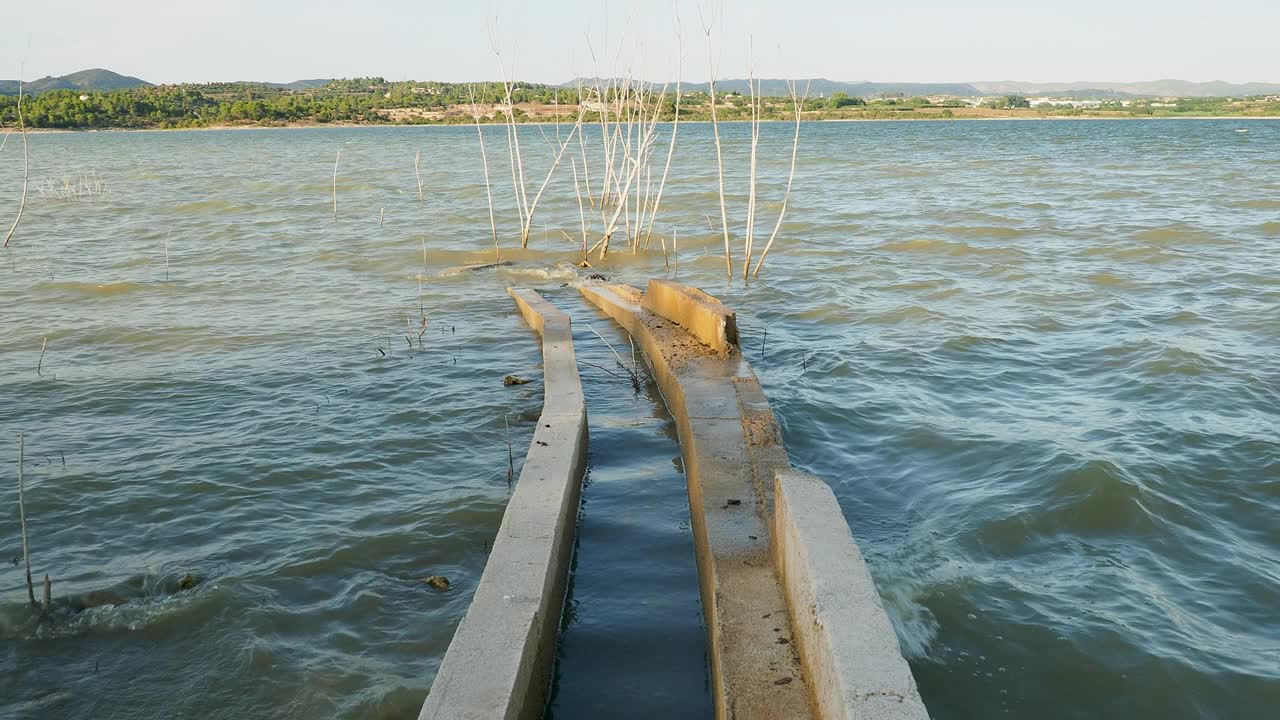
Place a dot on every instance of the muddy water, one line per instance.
(1036, 361)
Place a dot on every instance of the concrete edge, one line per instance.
(702, 315)
(848, 648)
(500, 660)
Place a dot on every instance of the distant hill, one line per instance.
(94, 79)
(865, 89)
(824, 87)
(1154, 88)
(295, 85)
(774, 87)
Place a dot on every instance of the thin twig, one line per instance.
(22, 518)
(40, 363)
(417, 173)
(511, 458)
(600, 367)
(26, 169)
(635, 377)
(335, 185)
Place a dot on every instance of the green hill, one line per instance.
(88, 80)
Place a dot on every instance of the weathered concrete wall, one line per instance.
(753, 571)
(500, 660)
(700, 314)
(849, 651)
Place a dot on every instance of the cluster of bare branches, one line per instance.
(629, 110)
(757, 102)
(85, 186)
(625, 157)
(626, 199)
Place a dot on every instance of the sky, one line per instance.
(168, 41)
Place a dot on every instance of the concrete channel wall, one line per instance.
(499, 663)
(847, 645)
(795, 626)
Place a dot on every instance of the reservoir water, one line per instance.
(1039, 363)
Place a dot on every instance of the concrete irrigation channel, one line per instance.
(795, 626)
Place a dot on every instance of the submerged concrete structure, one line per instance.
(499, 663)
(795, 626)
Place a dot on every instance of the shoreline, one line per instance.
(312, 126)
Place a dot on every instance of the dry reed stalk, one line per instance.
(513, 140)
(582, 143)
(798, 104)
(751, 191)
(382, 216)
(515, 178)
(22, 519)
(335, 185)
(40, 363)
(26, 167)
(493, 224)
(531, 208)
(582, 216)
(417, 173)
(715, 127)
(511, 458)
(675, 126)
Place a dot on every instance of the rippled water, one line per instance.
(1036, 360)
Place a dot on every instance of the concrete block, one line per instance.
(702, 315)
(848, 648)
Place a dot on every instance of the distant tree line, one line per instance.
(370, 100)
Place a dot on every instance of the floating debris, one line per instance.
(514, 380)
(438, 582)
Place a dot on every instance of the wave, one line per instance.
(136, 603)
(1259, 204)
(927, 246)
(213, 205)
(1179, 235)
(92, 289)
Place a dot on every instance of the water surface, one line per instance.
(1037, 361)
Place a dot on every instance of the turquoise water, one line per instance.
(1037, 361)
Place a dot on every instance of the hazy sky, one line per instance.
(921, 40)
